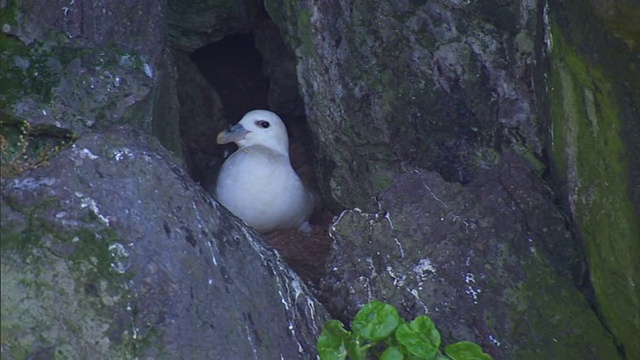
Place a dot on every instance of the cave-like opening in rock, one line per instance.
(233, 71)
(243, 72)
(233, 66)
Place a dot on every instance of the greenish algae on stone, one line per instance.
(560, 310)
(25, 70)
(620, 17)
(592, 160)
(61, 292)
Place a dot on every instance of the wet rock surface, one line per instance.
(408, 114)
(490, 262)
(113, 244)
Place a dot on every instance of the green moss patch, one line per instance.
(593, 160)
(63, 294)
(25, 70)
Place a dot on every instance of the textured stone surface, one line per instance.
(111, 251)
(88, 66)
(475, 258)
(450, 86)
(389, 86)
(424, 83)
(196, 23)
(594, 106)
(201, 117)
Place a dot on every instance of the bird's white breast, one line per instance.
(259, 186)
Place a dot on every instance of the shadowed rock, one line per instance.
(490, 262)
(111, 251)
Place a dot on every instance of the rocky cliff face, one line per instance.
(594, 111)
(109, 249)
(451, 86)
(445, 85)
(478, 157)
(486, 261)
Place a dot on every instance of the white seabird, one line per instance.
(257, 183)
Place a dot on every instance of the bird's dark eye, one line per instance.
(263, 124)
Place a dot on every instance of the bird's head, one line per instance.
(257, 127)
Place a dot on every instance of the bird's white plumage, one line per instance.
(257, 182)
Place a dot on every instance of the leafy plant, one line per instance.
(378, 328)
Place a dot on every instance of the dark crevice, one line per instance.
(254, 71)
(233, 66)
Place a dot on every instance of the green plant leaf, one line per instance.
(333, 341)
(375, 321)
(419, 337)
(465, 350)
(392, 353)
(356, 351)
